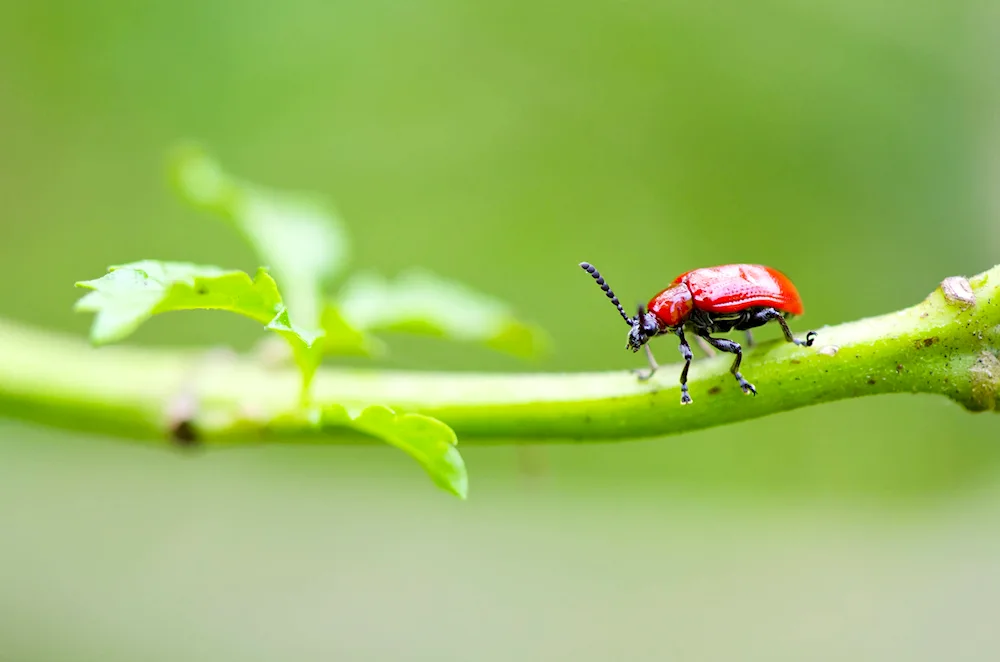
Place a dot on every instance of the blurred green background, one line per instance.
(852, 144)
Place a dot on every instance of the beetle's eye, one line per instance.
(649, 325)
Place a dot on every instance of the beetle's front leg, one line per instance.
(644, 375)
(685, 349)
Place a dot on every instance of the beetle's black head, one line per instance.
(644, 327)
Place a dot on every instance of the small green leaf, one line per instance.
(130, 294)
(342, 339)
(307, 347)
(300, 238)
(429, 441)
(339, 339)
(420, 303)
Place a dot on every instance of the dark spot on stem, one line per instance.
(202, 290)
(796, 361)
(926, 342)
(899, 367)
(184, 434)
(871, 381)
(715, 390)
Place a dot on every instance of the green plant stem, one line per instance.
(940, 346)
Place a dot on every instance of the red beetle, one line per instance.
(719, 299)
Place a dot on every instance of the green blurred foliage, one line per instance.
(852, 144)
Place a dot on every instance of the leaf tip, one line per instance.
(429, 441)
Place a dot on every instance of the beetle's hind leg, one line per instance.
(733, 348)
(765, 315)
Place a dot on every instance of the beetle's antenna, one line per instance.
(589, 268)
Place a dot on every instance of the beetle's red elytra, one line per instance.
(729, 297)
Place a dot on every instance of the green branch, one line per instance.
(945, 345)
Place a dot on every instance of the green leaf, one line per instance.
(299, 237)
(342, 339)
(307, 348)
(130, 294)
(419, 302)
(429, 441)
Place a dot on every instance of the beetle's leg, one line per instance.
(750, 342)
(767, 314)
(705, 347)
(653, 366)
(733, 348)
(685, 349)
